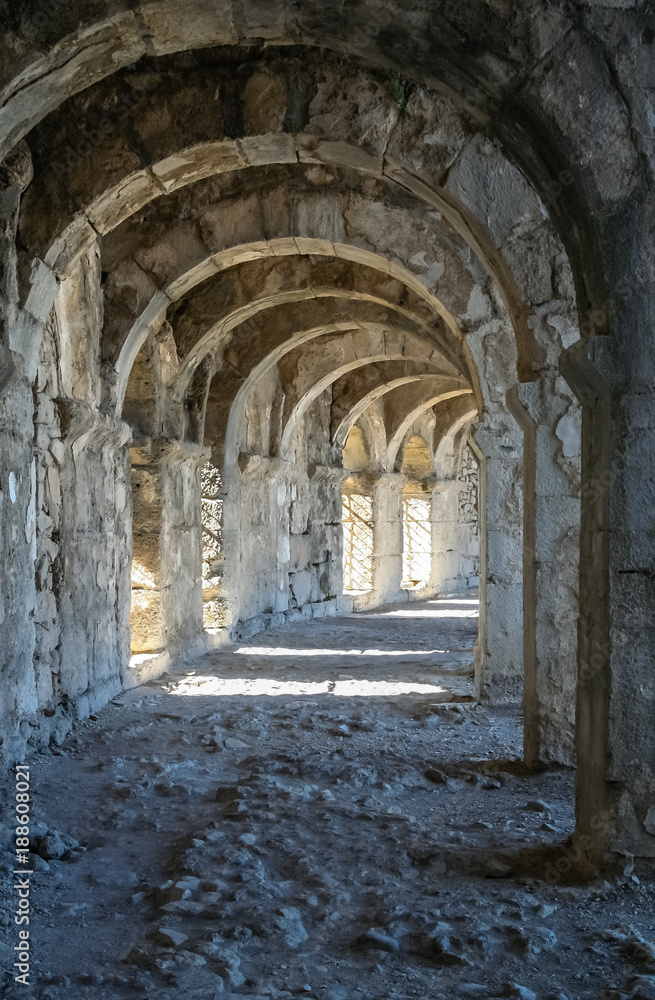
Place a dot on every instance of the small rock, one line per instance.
(121, 791)
(495, 868)
(537, 940)
(214, 885)
(188, 882)
(183, 907)
(190, 958)
(445, 947)
(71, 843)
(639, 949)
(232, 744)
(173, 893)
(379, 940)
(289, 923)
(227, 962)
(170, 937)
(520, 992)
(649, 821)
(227, 793)
(634, 944)
(137, 956)
(52, 846)
(642, 988)
(537, 806)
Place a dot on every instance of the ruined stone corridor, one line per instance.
(327, 480)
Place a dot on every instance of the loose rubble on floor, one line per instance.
(321, 812)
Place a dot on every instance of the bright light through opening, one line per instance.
(357, 535)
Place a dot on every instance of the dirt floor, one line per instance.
(321, 812)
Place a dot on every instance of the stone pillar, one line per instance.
(94, 556)
(550, 419)
(146, 611)
(445, 537)
(19, 696)
(15, 174)
(387, 537)
(615, 738)
(180, 557)
(499, 649)
(256, 516)
(166, 611)
(325, 535)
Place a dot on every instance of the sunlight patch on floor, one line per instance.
(271, 687)
(428, 613)
(283, 651)
(457, 600)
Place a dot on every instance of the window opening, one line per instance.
(214, 611)
(357, 521)
(417, 541)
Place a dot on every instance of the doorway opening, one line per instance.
(417, 540)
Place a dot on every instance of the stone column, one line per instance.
(166, 609)
(324, 529)
(256, 516)
(20, 696)
(146, 612)
(550, 419)
(387, 537)
(15, 174)
(499, 649)
(445, 537)
(615, 738)
(180, 555)
(94, 560)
